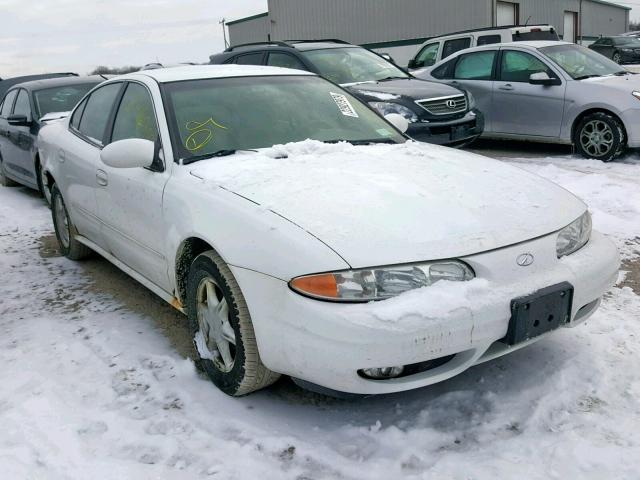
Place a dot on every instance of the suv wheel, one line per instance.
(600, 136)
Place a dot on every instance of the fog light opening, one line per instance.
(382, 373)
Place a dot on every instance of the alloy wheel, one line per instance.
(596, 138)
(617, 58)
(215, 329)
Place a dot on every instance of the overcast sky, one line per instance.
(77, 35)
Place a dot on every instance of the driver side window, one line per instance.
(519, 66)
(93, 124)
(135, 117)
(22, 106)
(428, 55)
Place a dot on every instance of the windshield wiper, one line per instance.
(587, 76)
(220, 153)
(363, 142)
(387, 79)
(621, 73)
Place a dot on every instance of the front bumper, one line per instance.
(631, 120)
(449, 132)
(630, 57)
(327, 343)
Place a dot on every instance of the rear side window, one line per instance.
(135, 117)
(22, 107)
(445, 70)
(77, 115)
(475, 66)
(8, 103)
(97, 111)
(519, 66)
(452, 46)
(489, 39)
(284, 60)
(250, 59)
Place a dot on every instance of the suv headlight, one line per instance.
(379, 283)
(385, 108)
(471, 101)
(574, 236)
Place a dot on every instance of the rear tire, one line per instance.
(600, 136)
(65, 230)
(4, 180)
(222, 330)
(43, 184)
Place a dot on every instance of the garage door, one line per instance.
(570, 22)
(507, 13)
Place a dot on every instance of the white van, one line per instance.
(437, 48)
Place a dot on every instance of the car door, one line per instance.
(21, 161)
(130, 199)
(79, 157)
(6, 145)
(474, 72)
(521, 108)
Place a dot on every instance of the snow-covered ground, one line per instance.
(94, 383)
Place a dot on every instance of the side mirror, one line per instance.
(413, 63)
(388, 57)
(542, 78)
(18, 120)
(129, 153)
(398, 121)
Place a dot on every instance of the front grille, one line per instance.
(444, 105)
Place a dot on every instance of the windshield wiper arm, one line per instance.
(587, 76)
(363, 142)
(386, 79)
(225, 152)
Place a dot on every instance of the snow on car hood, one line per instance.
(388, 204)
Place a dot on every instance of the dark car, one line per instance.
(619, 49)
(7, 83)
(21, 111)
(436, 113)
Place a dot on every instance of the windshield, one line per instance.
(580, 62)
(225, 114)
(60, 99)
(628, 41)
(352, 65)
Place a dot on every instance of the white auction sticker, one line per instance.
(343, 104)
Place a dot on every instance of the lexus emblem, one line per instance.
(524, 260)
(451, 103)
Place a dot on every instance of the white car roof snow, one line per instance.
(196, 72)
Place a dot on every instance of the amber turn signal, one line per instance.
(323, 285)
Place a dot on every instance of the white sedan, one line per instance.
(303, 235)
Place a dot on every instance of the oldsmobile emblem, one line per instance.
(525, 259)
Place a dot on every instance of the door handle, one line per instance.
(102, 178)
(61, 156)
(507, 87)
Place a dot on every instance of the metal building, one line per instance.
(399, 26)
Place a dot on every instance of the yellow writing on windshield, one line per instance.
(201, 133)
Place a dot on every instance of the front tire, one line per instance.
(600, 136)
(617, 57)
(222, 330)
(65, 230)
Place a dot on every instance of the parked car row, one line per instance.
(288, 213)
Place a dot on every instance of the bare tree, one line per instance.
(102, 70)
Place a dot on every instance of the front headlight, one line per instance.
(574, 236)
(385, 108)
(369, 284)
(636, 94)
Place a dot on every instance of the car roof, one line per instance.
(200, 72)
(59, 82)
(7, 83)
(531, 44)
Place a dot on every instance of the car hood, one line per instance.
(626, 84)
(390, 204)
(410, 87)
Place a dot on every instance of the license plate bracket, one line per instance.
(458, 132)
(540, 312)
